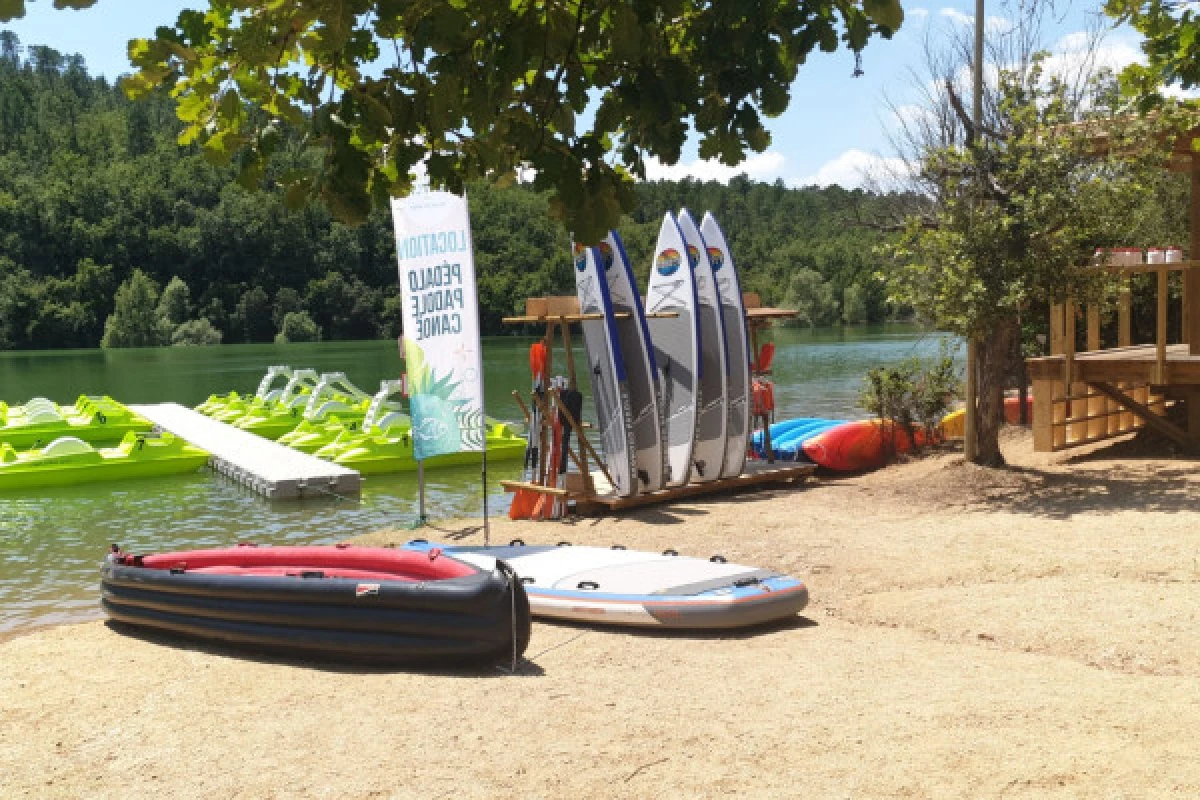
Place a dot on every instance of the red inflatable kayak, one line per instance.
(332, 602)
(856, 446)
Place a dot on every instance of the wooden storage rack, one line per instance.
(557, 313)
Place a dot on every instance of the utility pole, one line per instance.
(970, 440)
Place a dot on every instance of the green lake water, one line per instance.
(52, 541)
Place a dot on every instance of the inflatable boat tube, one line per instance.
(615, 586)
(856, 446)
(330, 602)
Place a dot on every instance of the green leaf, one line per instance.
(887, 14)
(11, 9)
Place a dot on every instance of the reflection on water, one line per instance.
(52, 541)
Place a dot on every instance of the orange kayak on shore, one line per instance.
(858, 446)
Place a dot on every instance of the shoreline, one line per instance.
(971, 632)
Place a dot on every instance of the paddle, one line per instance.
(524, 500)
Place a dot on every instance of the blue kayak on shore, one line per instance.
(788, 436)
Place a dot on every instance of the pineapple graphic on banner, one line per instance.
(441, 322)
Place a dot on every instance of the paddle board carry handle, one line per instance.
(591, 585)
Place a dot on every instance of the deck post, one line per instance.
(1160, 335)
(1056, 329)
(1191, 277)
(1097, 405)
(1124, 339)
(1076, 431)
(1043, 415)
(1124, 314)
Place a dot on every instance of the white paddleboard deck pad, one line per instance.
(615, 586)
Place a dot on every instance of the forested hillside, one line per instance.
(101, 211)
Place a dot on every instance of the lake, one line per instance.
(51, 542)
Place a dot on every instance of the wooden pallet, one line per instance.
(756, 475)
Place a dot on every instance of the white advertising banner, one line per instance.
(441, 322)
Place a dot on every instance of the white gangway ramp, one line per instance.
(269, 468)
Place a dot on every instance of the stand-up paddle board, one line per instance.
(676, 344)
(733, 312)
(610, 392)
(615, 586)
(712, 416)
(634, 339)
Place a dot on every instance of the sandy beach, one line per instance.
(1028, 632)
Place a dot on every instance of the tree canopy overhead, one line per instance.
(1172, 45)
(576, 93)
(94, 187)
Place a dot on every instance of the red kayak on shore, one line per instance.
(857, 446)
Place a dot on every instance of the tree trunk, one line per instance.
(994, 366)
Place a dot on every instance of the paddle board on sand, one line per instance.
(610, 392)
(634, 339)
(733, 312)
(712, 415)
(615, 586)
(676, 345)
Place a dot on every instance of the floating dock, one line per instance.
(271, 469)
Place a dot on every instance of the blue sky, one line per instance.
(835, 127)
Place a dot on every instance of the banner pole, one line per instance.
(421, 518)
(486, 530)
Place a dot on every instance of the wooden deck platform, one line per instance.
(269, 468)
(1094, 395)
(1131, 364)
(757, 474)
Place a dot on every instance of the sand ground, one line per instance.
(972, 633)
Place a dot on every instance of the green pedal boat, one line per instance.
(379, 453)
(333, 393)
(293, 395)
(98, 420)
(323, 425)
(69, 461)
(269, 390)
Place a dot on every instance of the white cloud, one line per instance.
(910, 116)
(760, 167)
(993, 25)
(954, 15)
(1078, 51)
(916, 13)
(856, 168)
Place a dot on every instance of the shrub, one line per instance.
(196, 332)
(912, 394)
(298, 326)
(135, 321)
